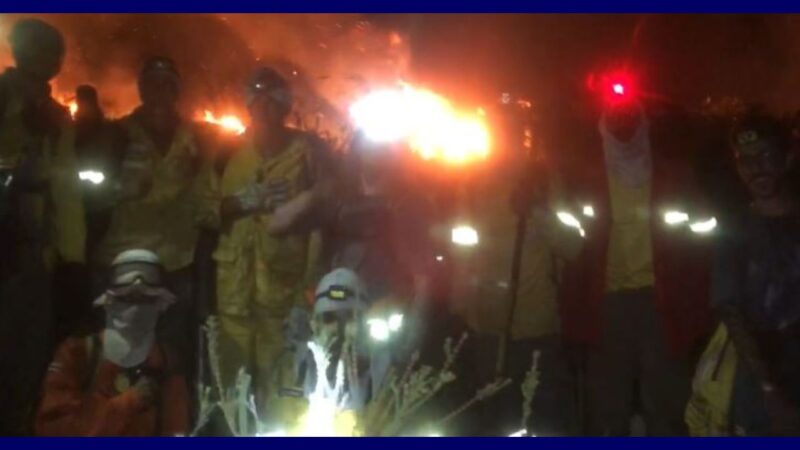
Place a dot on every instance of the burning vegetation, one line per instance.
(342, 68)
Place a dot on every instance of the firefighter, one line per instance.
(97, 147)
(156, 204)
(343, 330)
(751, 387)
(380, 228)
(503, 338)
(121, 381)
(337, 326)
(42, 220)
(635, 298)
(268, 191)
(99, 159)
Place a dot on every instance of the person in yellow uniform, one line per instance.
(635, 298)
(482, 297)
(268, 191)
(42, 230)
(155, 207)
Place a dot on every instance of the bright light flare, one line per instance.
(92, 176)
(571, 221)
(519, 433)
(382, 115)
(431, 126)
(705, 226)
(675, 217)
(464, 235)
(379, 329)
(73, 108)
(228, 122)
(395, 322)
(588, 210)
(325, 415)
(70, 103)
(616, 87)
(274, 433)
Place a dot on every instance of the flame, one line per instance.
(228, 122)
(431, 126)
(73, 108)
(68, 102)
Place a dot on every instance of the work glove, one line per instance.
(251, 197)
(276, 193)
(264, 197)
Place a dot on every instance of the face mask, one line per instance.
(130, 331)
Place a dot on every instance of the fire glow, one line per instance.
(227, 122)
(73, 108)
(70, 103)
(431, 126)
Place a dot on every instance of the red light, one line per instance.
(614, 87)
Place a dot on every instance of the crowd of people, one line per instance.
(645, 284)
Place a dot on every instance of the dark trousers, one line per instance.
(553, 407)
(26, 345)
(177, 326)
(633, 363)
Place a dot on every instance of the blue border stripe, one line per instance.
(403, 443)
(394, 6)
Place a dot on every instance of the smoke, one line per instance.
(328, 58)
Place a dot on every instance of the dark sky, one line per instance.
(473, 58)
(680, 57)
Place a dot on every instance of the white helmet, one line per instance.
(138, 271)
(134, 264)
(340, 290)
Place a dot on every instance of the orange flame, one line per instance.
(227, 122)
(73, 108)
(68, 102)
(431, 126)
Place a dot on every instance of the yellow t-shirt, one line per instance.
(630, 250)
(482, 274)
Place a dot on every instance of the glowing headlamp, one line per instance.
(616, 87)
(337, 293)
